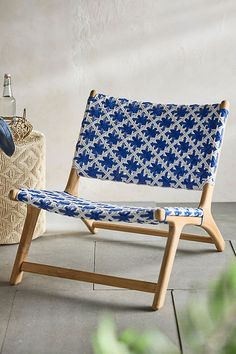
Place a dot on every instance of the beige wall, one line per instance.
(163, 51)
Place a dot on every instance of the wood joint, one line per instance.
(160, 214)
(13, 194)
(92, 93)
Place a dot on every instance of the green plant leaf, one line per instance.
(223, 294)
(230, 346)
(209, 326)
(106, 342)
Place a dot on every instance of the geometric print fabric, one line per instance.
(170, 145)
(66, 204)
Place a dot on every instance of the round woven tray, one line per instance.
(26, 168)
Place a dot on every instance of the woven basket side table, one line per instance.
(26, 168)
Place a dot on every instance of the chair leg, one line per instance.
(24, 245)
(211, 228)
(166, 266)
(89, 225)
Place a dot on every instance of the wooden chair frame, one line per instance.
(175, 232)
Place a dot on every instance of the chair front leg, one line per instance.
(24, 245)
(175, 230)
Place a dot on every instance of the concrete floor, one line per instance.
(49, 315)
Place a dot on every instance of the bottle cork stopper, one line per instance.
(24, 114)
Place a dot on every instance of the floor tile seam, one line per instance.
(140, 235)
(124, 289)
(152, 241)
(94, 260)
(65, 291)
(8, 322)
(232, 246)
(176, 321)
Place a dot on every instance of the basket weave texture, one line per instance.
(26, 168)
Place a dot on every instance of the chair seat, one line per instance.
(66, 204)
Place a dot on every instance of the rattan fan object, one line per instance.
(20, 127)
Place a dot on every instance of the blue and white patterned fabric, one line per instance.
(66, 204)
(170, 145)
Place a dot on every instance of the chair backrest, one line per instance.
(165, 145)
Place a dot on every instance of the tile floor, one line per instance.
(45, 315)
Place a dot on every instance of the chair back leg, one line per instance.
(89, 225)
(211, 228)
(208, 223)
(25, 241)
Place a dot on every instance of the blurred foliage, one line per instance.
(207, 326)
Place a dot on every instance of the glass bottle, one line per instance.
(7, 101)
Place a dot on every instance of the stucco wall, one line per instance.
(162, 51)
